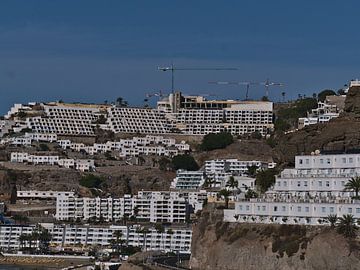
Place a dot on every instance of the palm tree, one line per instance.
(22, 240)
(346, 226)
(354, 185)
(117, 241)
(170, 232)
(332, 219)
(160, 229)
(224, 193)
(208, 182)
(232, 183)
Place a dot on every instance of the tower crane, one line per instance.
(237, 83)
(172, 68)
(269, 83)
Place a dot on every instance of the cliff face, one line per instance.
(218, 245)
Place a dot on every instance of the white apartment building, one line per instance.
(37, 194)
(138, 120)
(17, 141)
(327, 110)
(194, 115)
(219, 170)
(291, 211)
(84, 165)
(151, 206)
(306, 194)
(42, 137)
(67, 236)
(148, 145)
(67, 119)
(319, 175)
(188, 179)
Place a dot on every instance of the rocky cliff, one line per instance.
(218, 246)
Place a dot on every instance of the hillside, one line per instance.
(218, 246)
(340, 134)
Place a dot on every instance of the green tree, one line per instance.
(354, 185)
(322, 95)
(233, 184)
(43, 147)
(91, 181)
(214, 141)
(117, 241)
(224, 194)
(251, 170)
(265, 179)
(250, 194)
(164, 164)
(346, 226)
(185, 162)
(332, 219)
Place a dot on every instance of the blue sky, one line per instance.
(92, 51)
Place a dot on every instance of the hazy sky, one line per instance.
(92, 51)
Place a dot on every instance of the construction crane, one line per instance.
(267, 84)
(237, 83)
(172, 68)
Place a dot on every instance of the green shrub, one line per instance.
(265, 179)
(91, 181)
(214, 141)
(185, 162)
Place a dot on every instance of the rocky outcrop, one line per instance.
(218, 245)
(352, 101)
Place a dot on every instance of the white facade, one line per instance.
(188, 179)
(67, 236)
(37, 194)
(148, 145)
(306, 194)
(84, 165)
(42, 137)
(325, 111)
(310, 212)
(219, 170)
(151, 206)
(317, 175)
(194, 115)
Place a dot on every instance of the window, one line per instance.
(328, 183)
(263, 207)
(298, 183)
(321, 161)
(323, 209)
(351, 160)
(305, 183)
(299, 208)
(331, 209)
(343, 160)
(284, 208)
(247, 207)
(300, 161)
(349, 210)
(307, 209)
(307, 161)
(275, 208)
(357, 210)
(320, 183)
(240, 207)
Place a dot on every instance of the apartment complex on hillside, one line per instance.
(306, 194)
(150, 206)
(66, 236)
(177, 113)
